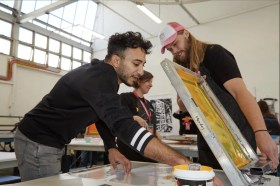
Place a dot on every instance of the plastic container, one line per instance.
(193, 175)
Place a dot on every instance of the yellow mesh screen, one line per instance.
(217, 124)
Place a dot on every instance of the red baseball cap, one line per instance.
(169, 34)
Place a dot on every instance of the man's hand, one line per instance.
(115, 158)
(217, 182)
(268, 148)
(141, 121)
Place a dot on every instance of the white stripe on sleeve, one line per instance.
(140, 144)
(136, 136)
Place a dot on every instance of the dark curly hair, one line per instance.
(118, 43)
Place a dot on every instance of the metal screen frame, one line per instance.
(234, 174)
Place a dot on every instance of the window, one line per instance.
(76, 64)
(87, 57)
(66, 50)
(9, 3)
(77, 53)
(40, 41)
(53, 60)
(81, 12)
(40, 56)
(65, 64)
(28, 6)
(5, 46)
(6, 28)
(54, 45)
(24, 52)
(25, 35)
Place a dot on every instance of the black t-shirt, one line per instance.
(83, 96)
(136, 108)
(219, 66)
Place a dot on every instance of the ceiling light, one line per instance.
(148, 13)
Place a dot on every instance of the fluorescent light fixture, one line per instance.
(149, 13)
(95, 34)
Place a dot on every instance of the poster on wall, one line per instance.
(164, 108)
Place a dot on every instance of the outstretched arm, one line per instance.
(164, 154)
(250, 109)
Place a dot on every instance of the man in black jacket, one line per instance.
(84, 96)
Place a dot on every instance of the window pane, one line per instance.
(55, 21)
(24, 52)
(65, 64)
(66, 50)
(87, 35)
(5, 46)
(40, 4)
(76, 64)
(9, 3)
(6, 28)
(81, 13)
(54, 45)
(40, 41)
(91, 13)
(77, 31)
(25, 35)
(66, 26)
(53, 60)
(77, 53)
(28, 6)
(69, 12)
(58, 12)
(40, 56)
(87, 57)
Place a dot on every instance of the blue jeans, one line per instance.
(36, 160)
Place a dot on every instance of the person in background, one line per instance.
(89, 158)
(86, 95)
(187, 125)
(222, 74)
(142, 111)
(270, 119)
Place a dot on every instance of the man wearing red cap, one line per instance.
(224, 78)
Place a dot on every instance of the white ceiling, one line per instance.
(121, 16)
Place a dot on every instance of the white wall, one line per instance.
(26, 88)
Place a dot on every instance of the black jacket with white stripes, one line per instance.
(83, 96)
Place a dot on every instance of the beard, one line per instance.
(182, 60)
(124, 77)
